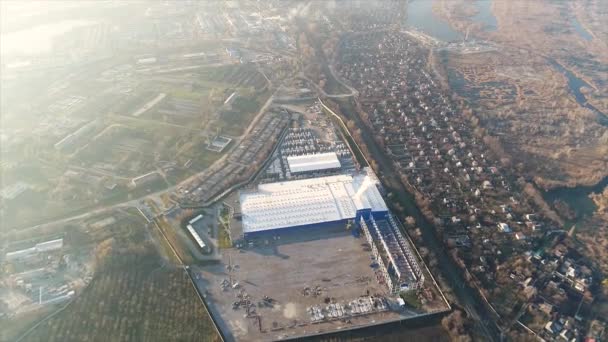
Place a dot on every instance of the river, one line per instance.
(421, 17)
(578, 198)
(580, 29)
(485, 15)
(575, 84)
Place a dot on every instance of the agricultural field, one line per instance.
(135, 295)
(196, 100)
(238, 76)
(125, 151)
(233, 122)
(134, 300)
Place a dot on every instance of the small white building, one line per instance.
(504, 227)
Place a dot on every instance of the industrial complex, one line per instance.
(319, 216)
(286, 170)
(313, 201)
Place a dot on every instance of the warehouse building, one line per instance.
(310, 202)
(313, 162)
(195, 222)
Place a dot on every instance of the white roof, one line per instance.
(14, 190)
(313, 162)
(200, 216)
(308, 201)
(196, 237)
(49, 245)
(146, 60)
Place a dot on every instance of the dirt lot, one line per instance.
(329, 257)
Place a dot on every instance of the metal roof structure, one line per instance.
(393, 252)
(196, 237)
(309, 201)
(198, 217)
(313, 162)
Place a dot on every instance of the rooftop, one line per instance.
(309, 201)
(313, 162)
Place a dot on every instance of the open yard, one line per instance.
(316, 268)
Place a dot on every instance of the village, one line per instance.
(510, 248)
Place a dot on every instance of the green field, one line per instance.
(234, 122)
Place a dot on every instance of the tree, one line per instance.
(103, 252)
(455, 324)
(374, 166)
(410, 221)
(350, 124)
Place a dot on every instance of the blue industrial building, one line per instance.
(310, 203)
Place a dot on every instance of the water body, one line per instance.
(420, 16)
(39, 39)
(577, 199)
(484, 15)
(580, 29)
(575, 84)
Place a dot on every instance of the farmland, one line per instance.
(135, 296)
(238, 76)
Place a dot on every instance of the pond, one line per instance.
(420, 16)
(577, 199)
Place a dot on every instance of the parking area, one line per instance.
(303, 282)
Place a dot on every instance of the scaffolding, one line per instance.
(394, 256)
(371, 237)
